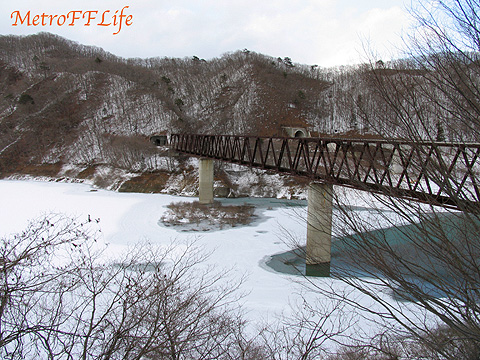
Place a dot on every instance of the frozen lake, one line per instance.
(127, 218)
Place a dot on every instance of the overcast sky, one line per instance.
(322, 32)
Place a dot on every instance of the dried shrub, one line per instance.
(26, 99)
(194, 213)
(146, 183)
(87, 173)
(50, 170)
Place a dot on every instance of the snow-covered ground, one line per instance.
(126, 219)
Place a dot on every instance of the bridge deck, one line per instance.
(442, 174)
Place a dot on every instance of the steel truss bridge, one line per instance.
(443, 174)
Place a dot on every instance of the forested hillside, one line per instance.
(72, 110)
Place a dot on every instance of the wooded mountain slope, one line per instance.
(63, 103)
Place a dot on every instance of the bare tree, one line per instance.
(61, 300)
(32, 280)
(419, 263)
(311, 332)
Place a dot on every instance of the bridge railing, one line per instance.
(443, 174)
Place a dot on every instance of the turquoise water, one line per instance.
(449, 232)
(451, 229)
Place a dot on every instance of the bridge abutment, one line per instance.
(205, 180)
(319, 229)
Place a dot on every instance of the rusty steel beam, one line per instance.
(445, 174)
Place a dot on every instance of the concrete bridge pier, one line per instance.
(319, 229)
(205, 179)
